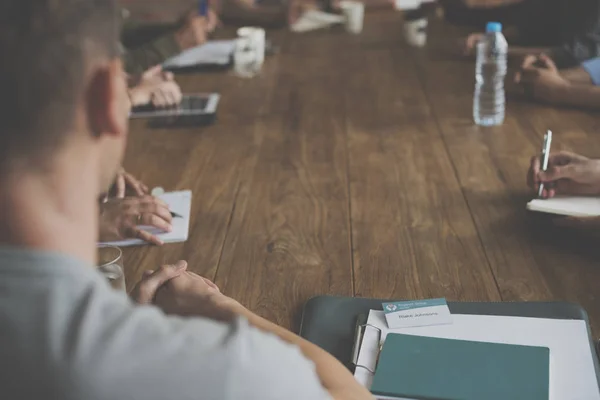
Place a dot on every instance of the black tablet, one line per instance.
(194, 109)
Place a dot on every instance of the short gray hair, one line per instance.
(46, 47)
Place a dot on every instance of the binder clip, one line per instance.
(358, 337)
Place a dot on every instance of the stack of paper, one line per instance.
(572, 373)
(179, 203)
(217, 52)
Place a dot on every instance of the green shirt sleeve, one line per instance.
(141, 54)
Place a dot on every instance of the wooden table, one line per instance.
(352, 167)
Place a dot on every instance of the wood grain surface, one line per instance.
(352, 166)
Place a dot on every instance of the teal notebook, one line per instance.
(425, 368)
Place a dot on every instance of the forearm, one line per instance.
(577, 75)
(585, 96)
(334, 376)
(518, 51)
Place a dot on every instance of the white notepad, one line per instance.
(572, 373)
(179, 203)
(216, 52)
(567, 205)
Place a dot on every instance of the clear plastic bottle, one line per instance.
(489, 99)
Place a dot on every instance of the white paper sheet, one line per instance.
(572, 374)
(315, 19)
(216, 52)
(179, 203)
(567, 205)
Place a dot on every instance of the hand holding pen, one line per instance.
(566, 174)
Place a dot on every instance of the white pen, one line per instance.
(545, 157)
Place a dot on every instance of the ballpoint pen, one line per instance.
(203, 8)
(545, 157)
(175, 215)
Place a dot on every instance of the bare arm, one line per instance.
(585, 96)
(577, 75)
(520, 52)
(193, 295)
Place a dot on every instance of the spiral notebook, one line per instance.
(179, 203)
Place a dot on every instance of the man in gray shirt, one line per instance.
(64, 334)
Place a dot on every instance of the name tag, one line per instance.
(405, 314)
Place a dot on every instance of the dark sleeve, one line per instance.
(139, 59)
(580, 48)
(147, 45)
(457, 12)
(581, 32)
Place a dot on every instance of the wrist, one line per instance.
(181, 39)
(137, 97)
(228, 307)
(562, 94)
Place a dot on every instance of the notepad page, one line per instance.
(314, 19)
(572, 373)
(179, 203)
(567, 205)
(217, 52)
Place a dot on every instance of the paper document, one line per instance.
(572, 373)
(407, 4)
(567, 205)
(314, 19)
(216, 52)
(179, 203)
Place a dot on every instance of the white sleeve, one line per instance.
(124, 351)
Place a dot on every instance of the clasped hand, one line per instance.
(180, 292)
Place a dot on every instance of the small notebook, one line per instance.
(419, 367)
(567, 205)
(216, 52)
(179, 203)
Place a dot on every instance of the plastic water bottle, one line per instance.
(489, 100)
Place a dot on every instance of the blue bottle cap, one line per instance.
(493, 27)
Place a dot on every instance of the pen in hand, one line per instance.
(545, 157)
(175, 215)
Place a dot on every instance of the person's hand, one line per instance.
(124, 182)
(212, 21)
(468, 45)
(156, 87)
(541, 80)
(298, 7)
(120, 219)
(191, 294)
(567, 173)
(193, 32)
(145, 291)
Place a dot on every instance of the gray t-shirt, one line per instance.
(65, 334)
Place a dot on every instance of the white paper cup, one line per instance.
(258, 39)
(245, 63)
(354, 13)
(415, 32)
